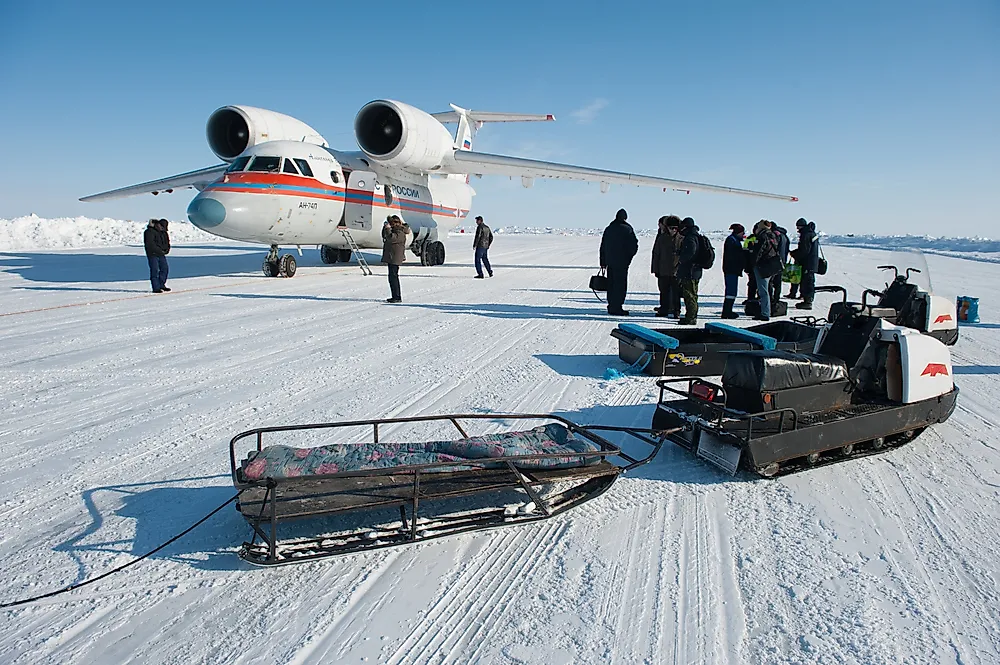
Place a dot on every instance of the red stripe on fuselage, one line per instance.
(231, 183)
(277, 179)
(273, 192)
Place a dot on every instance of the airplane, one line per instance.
(282, 185)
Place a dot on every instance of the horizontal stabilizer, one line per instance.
(198, 179)
(488, 116)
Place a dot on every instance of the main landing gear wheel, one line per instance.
(329, 255)
(270, 268)
(437, 251)
(432, 254)
(344, 255)
(287, 266)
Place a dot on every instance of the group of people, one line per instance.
(681, 254)
(678, 263)
(394, 241)
(763, 257)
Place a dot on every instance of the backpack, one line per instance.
(705, 258)
(769, 250)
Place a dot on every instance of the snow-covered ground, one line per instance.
(117, 408)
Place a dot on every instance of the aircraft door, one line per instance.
(358, 207)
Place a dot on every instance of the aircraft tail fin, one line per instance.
(469, 122)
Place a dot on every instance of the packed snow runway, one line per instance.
(118, 406)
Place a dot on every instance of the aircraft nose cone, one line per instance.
(206, 213)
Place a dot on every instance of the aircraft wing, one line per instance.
(481, 163)
(198, 179)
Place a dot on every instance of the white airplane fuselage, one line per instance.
(322, 192)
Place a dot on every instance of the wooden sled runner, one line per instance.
(375, 495)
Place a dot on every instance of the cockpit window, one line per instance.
(289, 167)
(238, 164)
(265, 164)
(304, 167)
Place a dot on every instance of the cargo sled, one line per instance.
(685, 351)
(873, 385)
(373, 494)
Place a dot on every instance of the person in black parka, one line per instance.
(734, 262)
(807, 256)
(618, 246)
(156, 242)
(689, 272)
(666, 255)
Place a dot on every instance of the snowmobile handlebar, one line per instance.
(830, 288)
(895, 271)
(864, 296)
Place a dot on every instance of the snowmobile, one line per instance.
(682, 351)
(913, 307)
(930, 314)
(374, 494)
(870, 386)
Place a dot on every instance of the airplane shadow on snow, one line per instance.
(75, 267)
(160, 510)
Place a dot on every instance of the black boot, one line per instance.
(727, 309)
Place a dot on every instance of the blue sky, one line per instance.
(881, 116)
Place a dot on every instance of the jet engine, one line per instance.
(233, 129)
(398, 134)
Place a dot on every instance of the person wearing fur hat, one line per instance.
(156, 242)
(666, 256)
(734, 261)
(766, 264)
(618, 247)
(394, 233)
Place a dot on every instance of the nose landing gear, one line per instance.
(279, 266)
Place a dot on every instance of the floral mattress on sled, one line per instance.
(283, 462)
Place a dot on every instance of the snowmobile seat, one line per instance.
(899, 293)
(768, 371)
(856, 309)
(759, 381)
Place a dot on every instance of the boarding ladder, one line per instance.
(365, 268)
